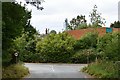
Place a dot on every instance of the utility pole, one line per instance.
(119, 11)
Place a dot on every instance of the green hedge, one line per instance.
(87, 41)
(56, 48)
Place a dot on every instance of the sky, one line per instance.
(56, 11)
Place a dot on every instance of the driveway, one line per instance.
(43, 70)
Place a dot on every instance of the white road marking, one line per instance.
(53, 69)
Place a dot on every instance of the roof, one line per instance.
(77, 34)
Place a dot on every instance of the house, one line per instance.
(77, 34)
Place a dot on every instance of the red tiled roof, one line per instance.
(78, 33)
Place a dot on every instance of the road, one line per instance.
(42, 70)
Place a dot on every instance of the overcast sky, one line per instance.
(55, 11)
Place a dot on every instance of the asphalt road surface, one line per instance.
(42, 70)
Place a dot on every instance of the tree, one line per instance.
(115, 24)
(13, 25)
(35, 3)
(77, 23)
(30, 30)
(26, 46)
(96, 19)
(87, 41)
(55, 47)
(107, 46)
(53, 31)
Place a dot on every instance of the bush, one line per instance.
(56, 48)
(87, 41)
(85, 48)
(102, 70)
(108, 46)
(84, 56)
(26, 46)
(14, 71)
(108, 52)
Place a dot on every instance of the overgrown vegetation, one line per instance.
(14, 25)
(108, 46)
(14, 71)
(84, 56)
(85, 48)
(20, 36)
(59, 48)
(103, 69)
(56, 48)
(107, 65)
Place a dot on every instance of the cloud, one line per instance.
(55, 12)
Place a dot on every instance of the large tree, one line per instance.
(53, 31)
(76, 23)
(96, 19)
(116, 24)
(14, 20)
(35, 3)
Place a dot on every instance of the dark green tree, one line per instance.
(116, 24)
(35, 3)
(30, 30)
(14, 20)
(77, 23)
(53, 31)
(96, 19)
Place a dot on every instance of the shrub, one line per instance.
(84, 56)
(108, 46)
(14, 71)
(102, 70)
(87, 41)
(56, 47)
(25, 46)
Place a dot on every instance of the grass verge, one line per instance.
(102, 69)
(15, 71)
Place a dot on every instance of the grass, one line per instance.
(102, 69)
(15, 71)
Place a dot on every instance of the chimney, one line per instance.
(46, 32)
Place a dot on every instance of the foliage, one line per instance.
(85, 49)
(35, 3)
(26, 46)
(96, 19)
(76, 23)
(56, 47)
(14, 71)
(102, 70)
(84, 56)
(116, 24)
(82, 26)
(53, 31)
(108, 46)
(87, 41)
(108, 54)
(12, 26)
(30, 30)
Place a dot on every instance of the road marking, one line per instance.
(53, 69)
